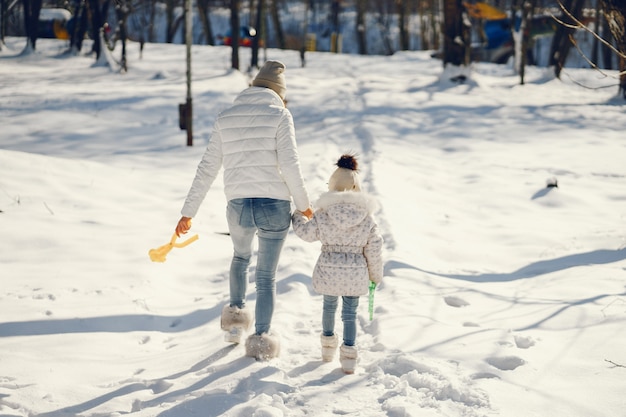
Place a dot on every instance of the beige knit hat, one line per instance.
(345, 177)
(271, 75)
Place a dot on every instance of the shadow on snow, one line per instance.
(596, 257)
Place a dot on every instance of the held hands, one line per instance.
(183, 226)
(308, 213)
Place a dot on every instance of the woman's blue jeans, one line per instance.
(348, 316)
(270, 220)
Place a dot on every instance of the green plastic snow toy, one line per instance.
(371, 299)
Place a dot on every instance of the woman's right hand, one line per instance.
(183, 226)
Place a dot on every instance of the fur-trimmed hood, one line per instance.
(347, 208)
(349, 197)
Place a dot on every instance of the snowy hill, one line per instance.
(501, 297)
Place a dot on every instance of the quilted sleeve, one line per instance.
(206, 173)
(305, 229)
(289, 162)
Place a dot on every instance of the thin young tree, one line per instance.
(78, 27)
(205, 21)
(607, 55)
(234, 29)
(615, 13)
(305, 27)
(423, 12)
(32, 8)
(455, 34)
(259, 18)
(278, 26)
(361, 6)
(384, 23)
(98, 11)
(616, 16)
(561, 42)
(172, 22)
(402, 6)
(4, 20)
(122, 10)
(527, 10)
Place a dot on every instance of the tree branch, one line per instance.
(617, 365)
(580, 25)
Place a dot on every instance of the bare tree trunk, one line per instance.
(170, 24)
(436, 24)
(595, 49)
(97, 22)
(151, 34)
(383, 24)
(607, 54)
(455, 42)
(278, 26)
(31, 20)
(205, 21)
(423, 19)
(4, 20)
(525, 29)
(260, 8)
(234, 28)
(122, 10)
(79, 27)
(561, 42)
(305, 27)
(402, 18)
(615, 12)
(361, 6)
(335, 37)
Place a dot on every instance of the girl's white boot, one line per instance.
(348, 356)
(329, 346)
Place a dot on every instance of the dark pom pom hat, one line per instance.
(345, 177)
(348, 162)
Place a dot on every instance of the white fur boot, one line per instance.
(348, 356)
(234, 322)
(263, 347)
(329, 346)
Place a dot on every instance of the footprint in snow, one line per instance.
(484, 375)
(524, 342)
(505, 363)
(453, 301)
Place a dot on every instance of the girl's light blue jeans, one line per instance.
(270, 220)
(348, 316)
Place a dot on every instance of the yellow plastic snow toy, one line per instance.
(159, 254)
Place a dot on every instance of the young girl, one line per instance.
(350, 258)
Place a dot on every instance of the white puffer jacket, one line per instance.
(351, 244)
(255, 141)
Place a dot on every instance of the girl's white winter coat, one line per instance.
(255, 141)
(351, 254)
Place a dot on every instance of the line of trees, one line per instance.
(456, 33)
(443, 24)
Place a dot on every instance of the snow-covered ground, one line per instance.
(501, 297)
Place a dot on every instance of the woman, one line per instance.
(254, 140)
